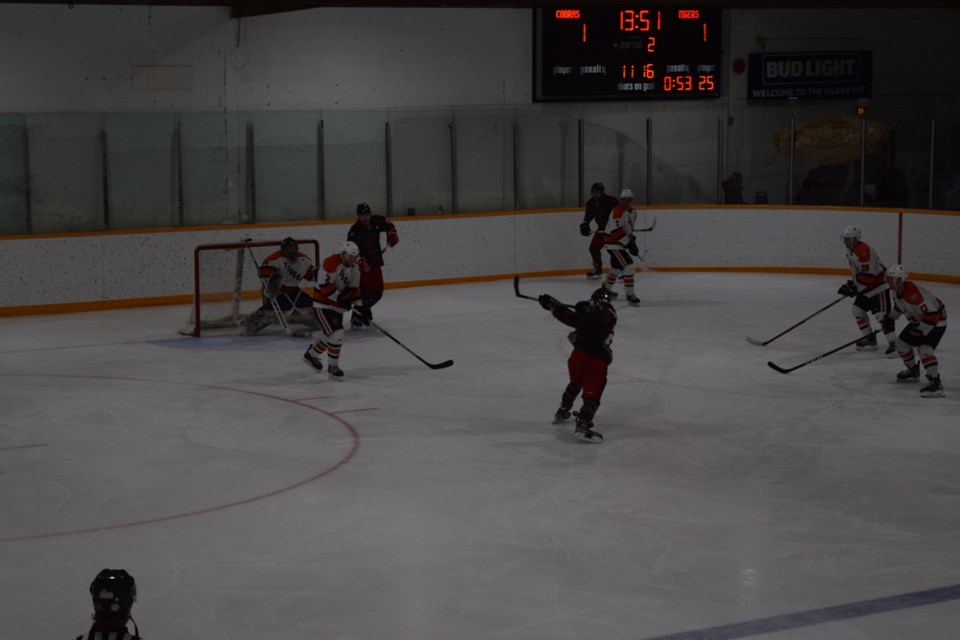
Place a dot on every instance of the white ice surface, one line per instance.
(253, 498)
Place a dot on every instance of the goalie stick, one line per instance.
(516, 290)
(439, 365)
(282, 319)
(780, 369)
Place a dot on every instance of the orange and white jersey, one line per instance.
(868, 272)
(337, 284)
(624, 220)
(292, 272)
(919, 306)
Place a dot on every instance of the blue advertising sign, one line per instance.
(836, 75)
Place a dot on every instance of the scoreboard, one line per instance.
(626, 53)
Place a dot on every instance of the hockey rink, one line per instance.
(252, 498)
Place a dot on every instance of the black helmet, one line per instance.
(597, 188)
(601, 295)
(363, 209)
(288, 246)
(114, 591)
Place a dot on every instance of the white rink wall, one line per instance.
(157, 266)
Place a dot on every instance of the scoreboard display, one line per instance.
(626, 53)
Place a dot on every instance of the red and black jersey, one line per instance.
(368, 238)
(598, 210)
(594, 323)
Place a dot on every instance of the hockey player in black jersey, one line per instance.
(593, 321)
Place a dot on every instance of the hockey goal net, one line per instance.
(226, 287)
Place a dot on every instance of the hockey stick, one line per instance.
(516, 290)
(791, 328)
(439, 365)
(819, 357)
(273, 303)
(650, 228)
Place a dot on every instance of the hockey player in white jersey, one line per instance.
(335, 291)
(927, 316)
(281, 273)
(869, 291)
(621, 244)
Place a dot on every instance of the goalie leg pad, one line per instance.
(255, 322)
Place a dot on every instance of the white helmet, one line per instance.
(626, 194)
(350, 249)
(851, 232)
(896, 275)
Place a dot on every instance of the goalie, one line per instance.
(281, 273)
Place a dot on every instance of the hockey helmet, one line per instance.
(350, 249)
(601, 295)
(851, 233)
(113, 591)
(363, 209)
(626, 194)
(896, 275)
(597, 188)
(289, 247)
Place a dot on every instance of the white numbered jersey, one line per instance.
(292, 271)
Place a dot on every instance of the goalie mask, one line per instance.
(289, 248)
(113, 591)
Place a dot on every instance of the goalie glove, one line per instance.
(271, 288)
(584, 228)
(848, 289)
(548, 302)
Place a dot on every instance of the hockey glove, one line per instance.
(362, 264)
(848, 289)
(632, 248)
(584, 229)
(392, 237)
(344, 301)
(363, 313)
(548, 302)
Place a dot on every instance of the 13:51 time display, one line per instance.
(626, 53)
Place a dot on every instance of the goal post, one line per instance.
(226, 286)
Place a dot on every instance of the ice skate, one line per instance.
(867, 343)
(312, 357)
(335, 372)
(934, 389)
(891, 351)
(633, 300)
(586, 433)
(561, 415)
(595, 274)
(355, 322)
(910, 374)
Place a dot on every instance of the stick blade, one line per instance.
(516, 285)
(777, 368)
(441, 365)
(756, 342)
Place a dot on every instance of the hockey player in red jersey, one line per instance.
(593, 321)
(113, 591)
(281, 273)
(870, 292)
(335, 291)
(927, 318)
(621, 244)
(365, 232)
(597, 210)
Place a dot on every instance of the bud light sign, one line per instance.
(810, 76)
